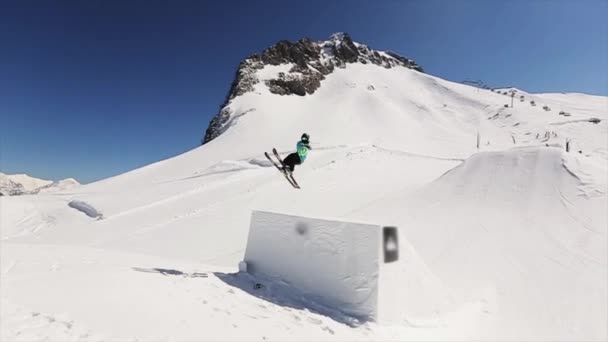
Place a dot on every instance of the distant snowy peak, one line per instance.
(11, 185)
(307, 63)
(64, 184)
(29, 183)
(324, 56)
(8, 187)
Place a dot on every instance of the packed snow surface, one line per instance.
(507, 231)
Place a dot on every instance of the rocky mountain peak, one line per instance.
(310, 62)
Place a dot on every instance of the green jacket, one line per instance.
(302, 150)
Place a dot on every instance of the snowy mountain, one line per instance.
(20, 184)
(298, 68)
(9, 187)
(63, 184)
(504, 231)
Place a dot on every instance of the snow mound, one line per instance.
(514, 230)
(334, 263)
(86, 208)
(348, 271)
(21, 215)
(538, 173)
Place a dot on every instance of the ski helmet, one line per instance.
(305, 138)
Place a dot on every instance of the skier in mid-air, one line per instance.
(288, 164)
(299, 156)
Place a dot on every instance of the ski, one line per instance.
(293, 180)
(293, 183)
(276, 154)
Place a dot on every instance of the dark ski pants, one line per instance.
(291, 161)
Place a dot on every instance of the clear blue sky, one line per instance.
(91, 89)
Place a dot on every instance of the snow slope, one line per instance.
(515, 235)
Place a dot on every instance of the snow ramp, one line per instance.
(357, 269)
(519, 231)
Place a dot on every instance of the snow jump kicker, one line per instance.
(339, 265)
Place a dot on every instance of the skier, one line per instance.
(289, 163)
(299, 156)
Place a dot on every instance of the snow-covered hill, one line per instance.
(20, 184)
(63, 184)
(506, 225)
(8, 187)
(29, 183)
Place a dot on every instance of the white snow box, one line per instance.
(337, 264)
